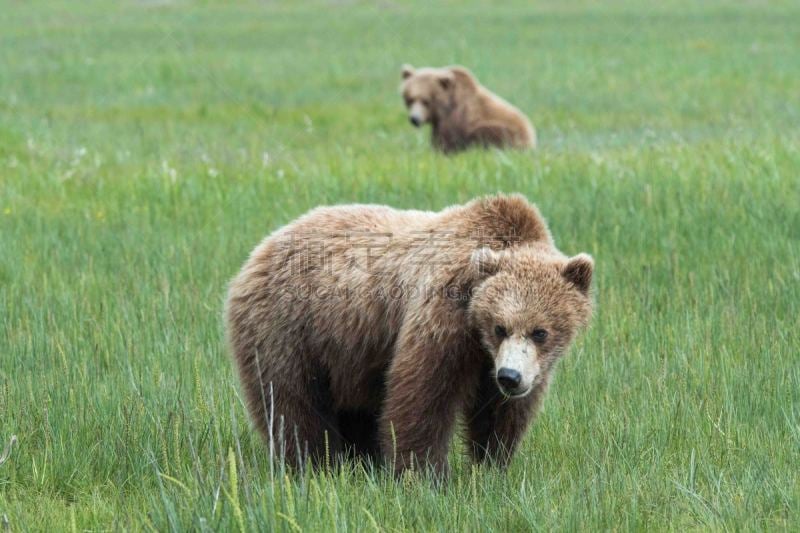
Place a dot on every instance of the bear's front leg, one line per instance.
(425, 390)
(496, 424)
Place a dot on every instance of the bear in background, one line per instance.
(462, 113)
(362, 330)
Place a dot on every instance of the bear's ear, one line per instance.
(446, 80)
(578, 271)
(485, 262)
(406, 71)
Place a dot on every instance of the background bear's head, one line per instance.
(429, 93)
(527, 307)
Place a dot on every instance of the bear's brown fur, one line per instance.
(367, 330)
(462, 112)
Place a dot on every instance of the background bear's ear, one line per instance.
(485, 262)
(446, 80)
(578, 271)
(406, 71)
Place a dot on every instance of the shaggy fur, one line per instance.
(462, 112)
(366, 330)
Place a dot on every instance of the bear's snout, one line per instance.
(417, 114)
(517, 366)
(509, 379)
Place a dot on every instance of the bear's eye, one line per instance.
(424, 102)
(539, 335)
(409, 101)
(501, 332)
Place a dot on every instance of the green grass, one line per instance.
(146, 147)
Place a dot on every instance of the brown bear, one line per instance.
(462, 112)
(364, 330)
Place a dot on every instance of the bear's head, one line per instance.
(527, 307)
(429, 93)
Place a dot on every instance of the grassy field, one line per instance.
(146, 146)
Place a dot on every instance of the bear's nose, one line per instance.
(508, 378)
(414, 121)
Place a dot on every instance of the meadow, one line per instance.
(147, 146)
